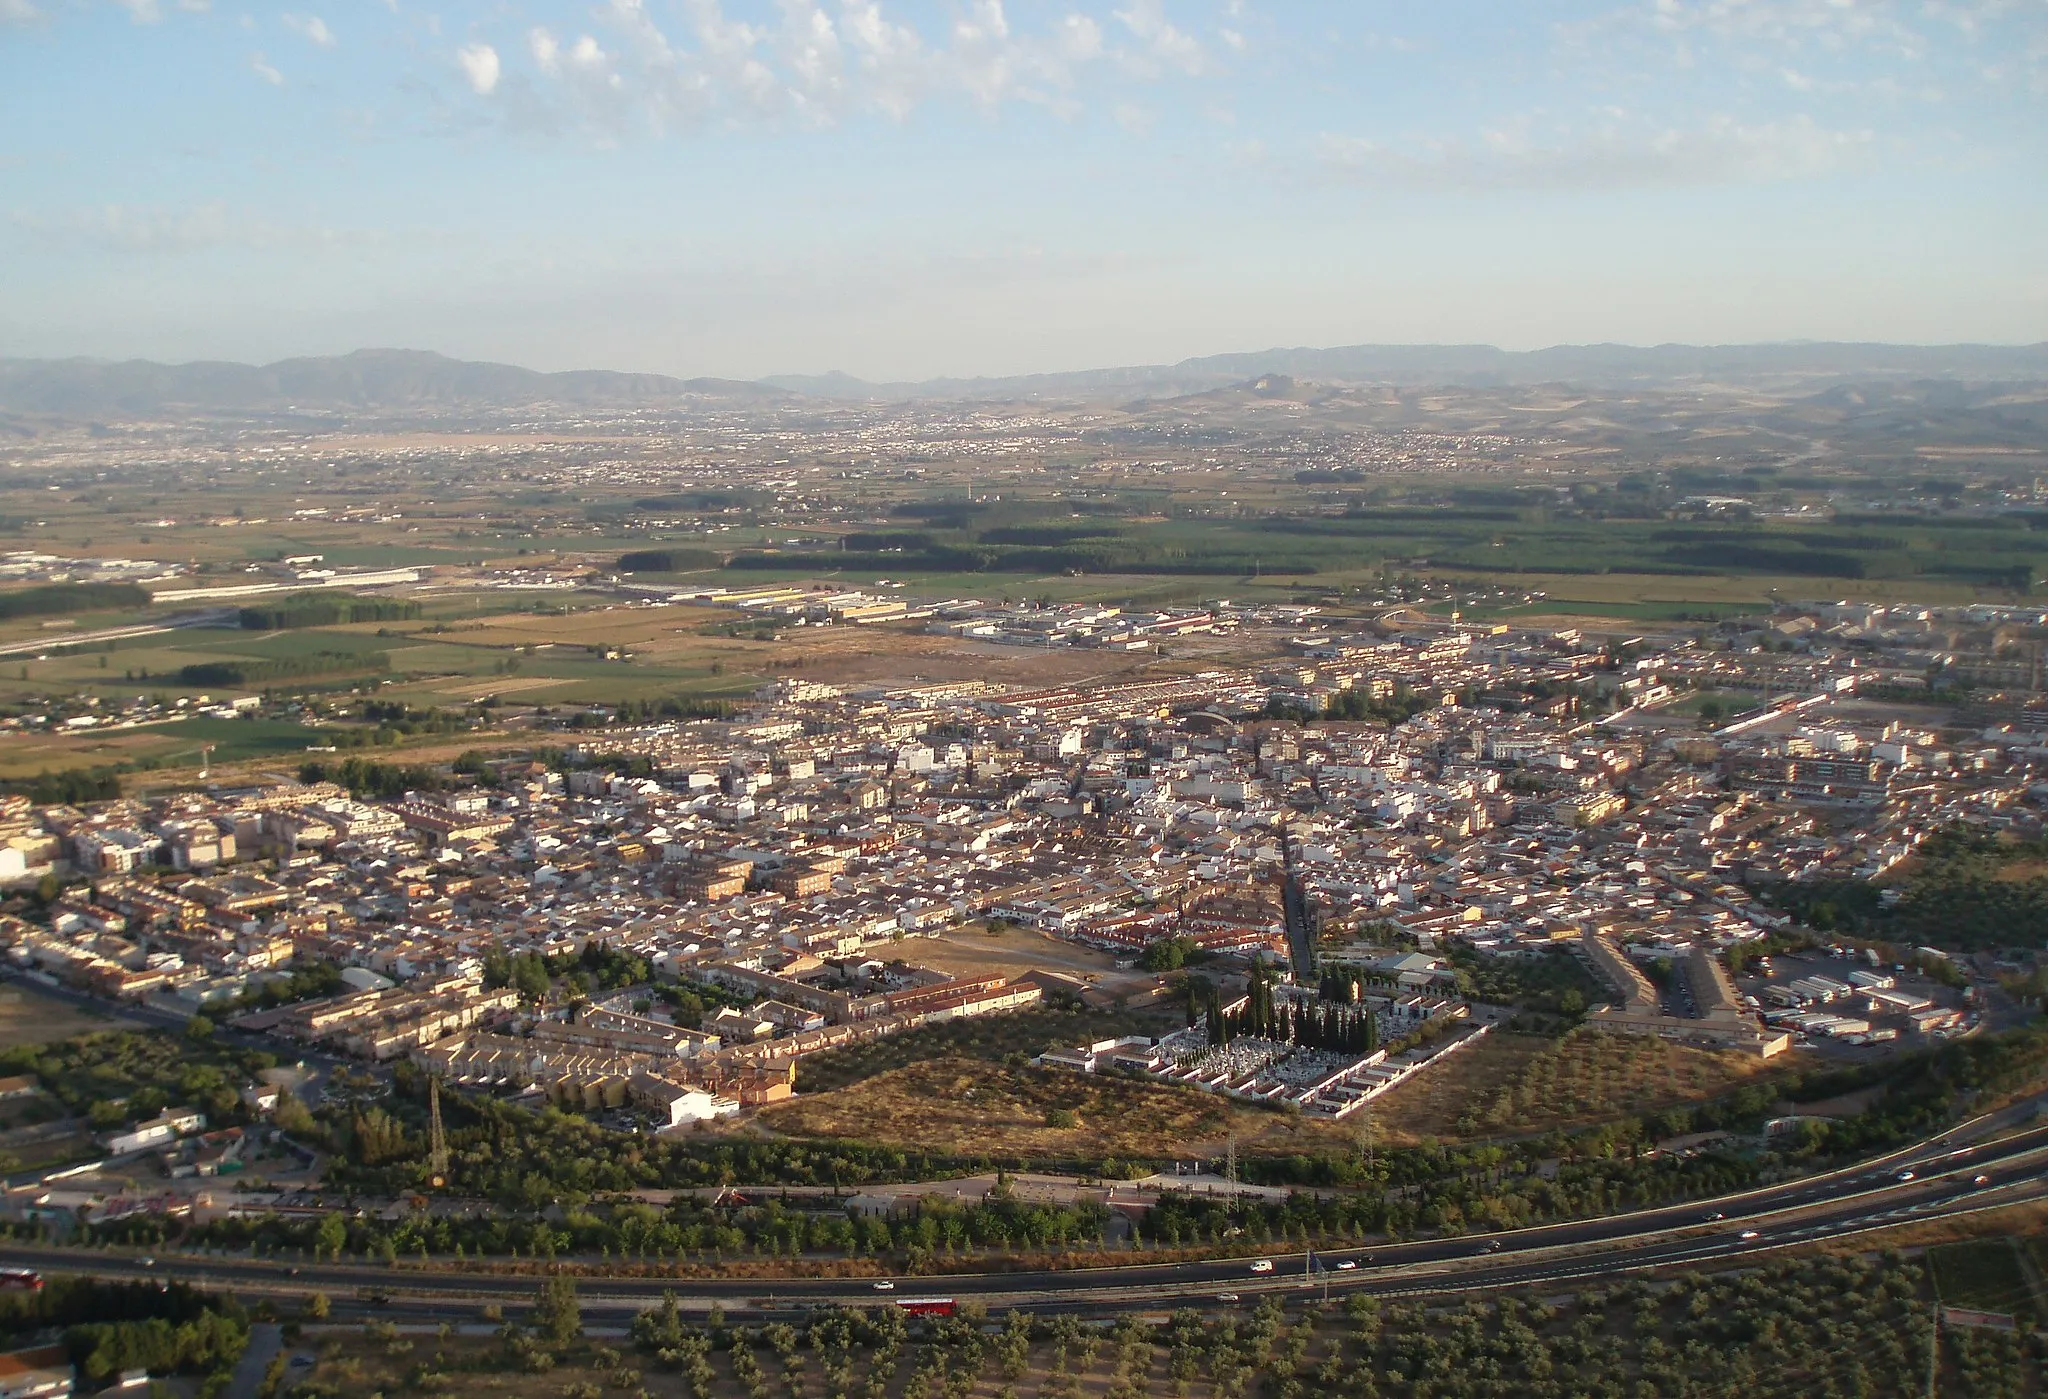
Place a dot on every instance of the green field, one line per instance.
(1997, 552)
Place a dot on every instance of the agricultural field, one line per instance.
(592, 652)
(174, 743)
(1989, 1275)
(1511, 1085)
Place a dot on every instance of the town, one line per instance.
(1499, 796)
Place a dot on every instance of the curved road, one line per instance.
(1956, 1174)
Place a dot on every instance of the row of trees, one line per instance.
(366, 777)
(259, 672)
(65, 599)
(687, 1228)
(667, 560)
(323, 609)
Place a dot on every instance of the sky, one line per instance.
(914, 188)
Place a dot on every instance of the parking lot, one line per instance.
(1843, 1006)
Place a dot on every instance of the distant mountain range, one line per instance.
(366, 381)
(386, 381)
(1483, 366)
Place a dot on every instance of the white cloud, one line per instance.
(547, 54)
(1830, 23)
(1161, 46)
(1079, 39)
(479, 64)
(142, 11)
(312, 29)
(18, 12)
(262, 68)
(1617, 151)
(819, 62)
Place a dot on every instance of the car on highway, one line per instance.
(1347, 1265)
(1980, 1180)
(1748, 1234)
(885, 1286)
(1262, 1265)
(1714, 1218)
(1903, 1176)
(1226, 1296)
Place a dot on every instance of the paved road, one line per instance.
(1943, 1177)
(266, 1339)
(56, 640)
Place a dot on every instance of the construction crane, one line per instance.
(205, 752)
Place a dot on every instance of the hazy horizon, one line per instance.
(1051, 369)
(909, 189)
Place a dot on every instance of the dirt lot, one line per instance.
(1007, 950)
(964, 1105)
(1513, 1085)
(29, 1018)
(971, 1106)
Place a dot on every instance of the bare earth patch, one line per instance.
(968, 1106)
(27, 1018)
(1512, 1085)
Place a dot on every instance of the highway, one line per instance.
(1961, 1172)
(60, 640)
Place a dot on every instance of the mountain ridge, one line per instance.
(369, 380)
(1600, 366)
(398, 380)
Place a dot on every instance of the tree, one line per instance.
(199, 1029)
(1167, 955)
(556, 1314)
(331, 1236)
